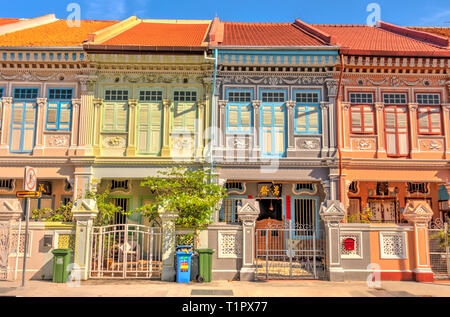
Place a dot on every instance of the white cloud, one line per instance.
(436, 19)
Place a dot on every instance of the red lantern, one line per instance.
(349, 244)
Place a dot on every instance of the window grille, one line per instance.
(119, 217)
(305, 215)
(305, 186)
(7, 184)
(416, 188)
(228, 212)
(234, 186)
(382, 189)
(116, 184)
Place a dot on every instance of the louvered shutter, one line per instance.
(423, 120)
(65, 114)
(143, 129)
(122, 117)
(356, 119)
(52, 116)
(313, 115)
(108, 117)
(369, 125)
(435, 120)
(301, 119)
(245, 117)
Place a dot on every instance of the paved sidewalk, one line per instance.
(140, 288)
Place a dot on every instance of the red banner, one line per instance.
(288, 207)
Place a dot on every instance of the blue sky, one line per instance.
(401, 12)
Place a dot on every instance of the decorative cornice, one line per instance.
(256, 103)
(76, 102)
(379, 106)
(41, 102)
(413, 107)
(132, 103)
(223, 103)
(97, 102)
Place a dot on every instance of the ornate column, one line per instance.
(40, 124)
(222, 124)
(446, 128)
(248, 214)
(6, 121)
(131, 143)
(332, 212)
(200, 128)
(414, 140)
(84, 212)
(87, 114)
(165, 150)
(256, 152)
(419, 214)
(75, 127)
(290, 105)
(327, 132)
(379, 117)
(345, 125)
(168, 245)
(97, 126)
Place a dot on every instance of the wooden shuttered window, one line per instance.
(307, 113)
(429, 120)
(149, 128)
(183, 116)
(396, 130)
(23, 126)
(115, 117)
(239, 111)
(362, 119)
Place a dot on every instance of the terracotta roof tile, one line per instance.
(267, 34)
(374, 40)
(162, 34)
(441, 31)
(53, 34)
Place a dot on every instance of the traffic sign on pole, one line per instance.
(30, 179)
(26, 194)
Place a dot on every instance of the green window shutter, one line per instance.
(122, 117)
(108, 117)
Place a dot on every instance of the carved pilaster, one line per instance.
(131, 144)
(165, 150)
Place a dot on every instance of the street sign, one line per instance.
(30, 180)
(27, 194)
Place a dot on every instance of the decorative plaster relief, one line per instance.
(58, 140)
(114, 142)
(363, 144)
(393, 245)
(431, 145)
(312, 144)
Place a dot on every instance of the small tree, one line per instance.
(106, 209)
(191, 193)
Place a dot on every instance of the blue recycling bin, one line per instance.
(184, 254)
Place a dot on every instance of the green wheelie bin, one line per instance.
(61, 263)
(205, 265)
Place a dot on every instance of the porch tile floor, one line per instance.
(299, 288)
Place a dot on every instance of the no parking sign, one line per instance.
(30, 179)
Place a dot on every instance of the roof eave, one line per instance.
(349, 51)
(41, 48)
(143, 48)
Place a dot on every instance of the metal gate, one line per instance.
(126, 251)
(439, 249)
(290, 253)
(4, 250)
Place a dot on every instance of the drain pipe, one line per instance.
(339, 130)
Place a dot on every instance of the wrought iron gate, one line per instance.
(126, 251)
(290, 253)
(4, 250)
(439, 249)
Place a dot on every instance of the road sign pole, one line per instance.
(25, 250)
